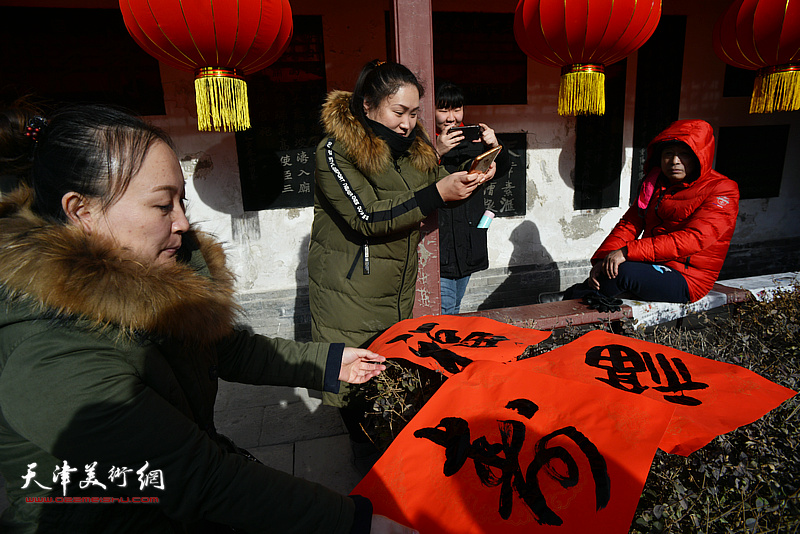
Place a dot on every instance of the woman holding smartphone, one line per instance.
(377, 178)
(462, 245)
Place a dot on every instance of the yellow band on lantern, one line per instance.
(221, 96)
(582, 90)
(776, 88)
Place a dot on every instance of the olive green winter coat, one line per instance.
(362, 261)
(105, 360)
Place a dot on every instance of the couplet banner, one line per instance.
(449, 343)
(501, 449)
(710, 397)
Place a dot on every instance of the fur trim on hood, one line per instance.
(65, 275)
(366, 150)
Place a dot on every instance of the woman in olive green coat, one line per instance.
(377, 178)
(117, 320)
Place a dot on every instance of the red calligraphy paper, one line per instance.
(710, 397)
(501, 449)
(448, 343)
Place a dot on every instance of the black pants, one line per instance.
(647, 281)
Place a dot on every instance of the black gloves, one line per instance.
(593, 298)
(598, 301)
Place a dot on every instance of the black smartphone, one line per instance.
(470, 133)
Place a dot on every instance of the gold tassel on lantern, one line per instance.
(776, 89)
(582, 90)
(221, 100)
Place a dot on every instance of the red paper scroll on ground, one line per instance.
(710, 397)
(448, 343)
(501, 449)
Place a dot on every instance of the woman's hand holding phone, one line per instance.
(460, 185)
(448, 139)
(488, 136)
(488, 175)
(483, 163)
(455, 135)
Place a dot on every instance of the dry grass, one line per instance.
(746, 481)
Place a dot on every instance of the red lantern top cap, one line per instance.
(566, 32)
(192, 34)
(755, 34)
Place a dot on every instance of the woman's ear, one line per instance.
(78, 211)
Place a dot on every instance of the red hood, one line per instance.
(699, 135)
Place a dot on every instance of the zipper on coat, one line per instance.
(659, 199)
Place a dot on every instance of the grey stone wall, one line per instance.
(520, 285)
(278, 314)
(286, 313)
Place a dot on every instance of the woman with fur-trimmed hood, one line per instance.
(117, 320)
(377, 178)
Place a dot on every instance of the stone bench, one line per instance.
(553, 315)
(761, 287)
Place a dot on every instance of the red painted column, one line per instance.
(413, 47)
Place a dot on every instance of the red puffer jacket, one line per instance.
(687, 226)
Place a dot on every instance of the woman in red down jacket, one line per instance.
(685, 214)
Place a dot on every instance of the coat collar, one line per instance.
(61, 273)
(367, 151)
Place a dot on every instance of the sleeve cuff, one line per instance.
(429, 199)
(362, 519)
(503, 162)
(332, 367)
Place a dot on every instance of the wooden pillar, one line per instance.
(413, 47)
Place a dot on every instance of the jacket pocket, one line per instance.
(478, 239)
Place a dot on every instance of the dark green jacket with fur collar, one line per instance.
(362, 261)
(104, 360)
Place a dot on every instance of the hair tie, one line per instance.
(378, 63)
(34, 127)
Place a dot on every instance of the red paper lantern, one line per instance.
(764, 35)
(220, 41)
(581, 37)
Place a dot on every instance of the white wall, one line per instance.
(268, 248)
